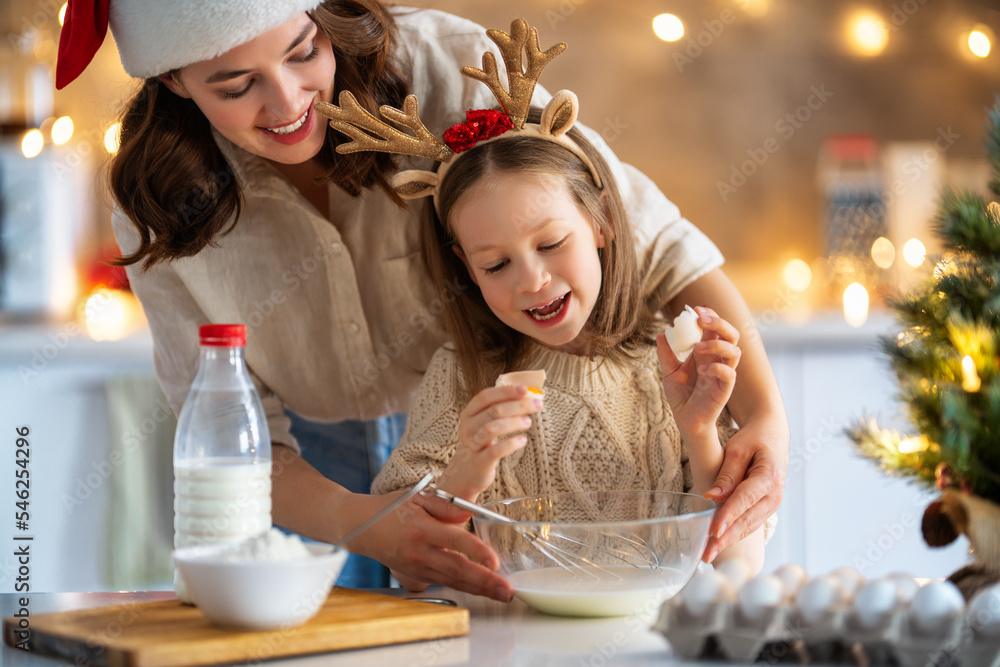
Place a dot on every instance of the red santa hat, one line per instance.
(157, 36)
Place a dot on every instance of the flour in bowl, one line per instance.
(267, 547)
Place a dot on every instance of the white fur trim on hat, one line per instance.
(157, 36)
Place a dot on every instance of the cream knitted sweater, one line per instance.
(605, 425)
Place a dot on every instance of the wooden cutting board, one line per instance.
(166, 632)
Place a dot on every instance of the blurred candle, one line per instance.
(797, 275)
(855, 304)
(867, 34)
(979, 42)
(32, 143)
(62, 130)
(883, 252)
(914, 252)
(668, 27)
(970, 378)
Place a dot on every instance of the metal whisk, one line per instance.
(562, 549)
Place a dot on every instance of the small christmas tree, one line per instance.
(945, 359)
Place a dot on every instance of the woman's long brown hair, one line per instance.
(486, 346)
(170, 178)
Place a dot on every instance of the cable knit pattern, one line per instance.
(605, 425)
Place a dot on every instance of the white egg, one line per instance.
(875, 601)
(704, 589)
(984, 611)
(906, 586)
(818, 597)
(850, 578)
(760, 594)
(793, 576)
(684, 333)
(736, 570)
(934, 606)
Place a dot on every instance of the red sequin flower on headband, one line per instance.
(479, 125)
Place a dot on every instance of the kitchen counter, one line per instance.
(499, 635)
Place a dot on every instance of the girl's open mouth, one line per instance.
(550, 310)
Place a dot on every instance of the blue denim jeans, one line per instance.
(351, 453)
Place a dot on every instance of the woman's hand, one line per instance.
(485, 435)
(752, 479)
(698, 389)
(751, 483)
(425, 542)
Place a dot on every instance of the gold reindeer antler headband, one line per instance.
(369, 133)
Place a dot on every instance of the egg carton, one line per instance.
(781, 636)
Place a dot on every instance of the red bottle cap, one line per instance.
(223, 335)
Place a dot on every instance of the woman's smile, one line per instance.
(296, 131)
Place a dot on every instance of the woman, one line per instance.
(233, 206)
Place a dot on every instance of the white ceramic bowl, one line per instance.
(258, 595)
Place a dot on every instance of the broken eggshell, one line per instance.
(684, 333)
(533, 380)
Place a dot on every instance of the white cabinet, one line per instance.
(839, 509)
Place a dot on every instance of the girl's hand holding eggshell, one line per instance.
(684, 333)
(698, 389)
(491, 427)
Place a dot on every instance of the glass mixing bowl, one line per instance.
(598, 553)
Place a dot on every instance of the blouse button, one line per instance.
(353, 327)
(336, 248)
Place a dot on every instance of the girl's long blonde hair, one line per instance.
(486, 346)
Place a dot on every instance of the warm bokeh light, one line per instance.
(914, 252)
(979, 43)
(883, 252)
(668, 27)
(111, 138)
(867, 33)
(32, 143)
(62, 130)
(913, 445)
(104, 308)
(970, 378)
(110, 314)
(797, 275)
(62, 13)
(856, 304)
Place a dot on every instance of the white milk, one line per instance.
(620, 591)
(219, 500)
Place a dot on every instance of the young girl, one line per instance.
(532, 226)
